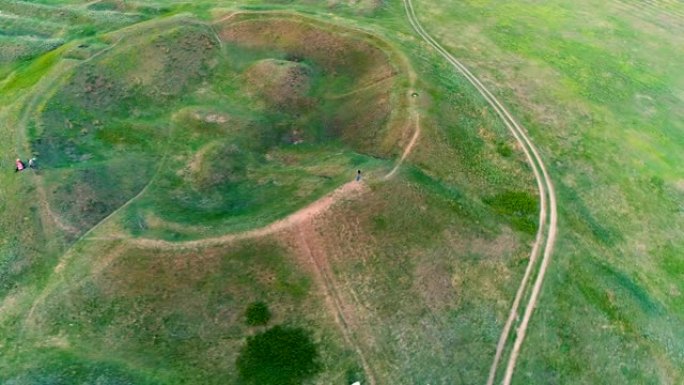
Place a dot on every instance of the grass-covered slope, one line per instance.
(231, 128)
(28, 29)
(599, 86)
(176, 316)
(176, 121)
(180, 128)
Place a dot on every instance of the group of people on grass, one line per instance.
(21, 166)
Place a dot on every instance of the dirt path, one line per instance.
(346, 191)
(548, 210)
(409, 147)
(51, 215)
(313, 210)
(362, 88)
(310, 244)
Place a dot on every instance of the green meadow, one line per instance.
(170, 137)
(599, 87)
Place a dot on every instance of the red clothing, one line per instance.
(20, 165)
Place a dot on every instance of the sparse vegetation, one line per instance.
(13, 49)
(160, 123)
(604, 114)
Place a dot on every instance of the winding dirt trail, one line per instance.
(409, 147)
(301, 223)
(548, 210)
(309, 242)
(346, 191)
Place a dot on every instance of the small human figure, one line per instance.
(358, 175)
(20, 166)
(32, 163)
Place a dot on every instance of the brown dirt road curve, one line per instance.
(546, 191)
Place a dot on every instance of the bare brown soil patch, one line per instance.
(284, 84)
(336, 53)
(368, 114)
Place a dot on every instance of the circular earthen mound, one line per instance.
(336, 74)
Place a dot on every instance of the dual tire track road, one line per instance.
(546, 233)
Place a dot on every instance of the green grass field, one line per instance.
(599, 85)
(170, 134)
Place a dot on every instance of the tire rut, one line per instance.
(548, 210)
(310, 244)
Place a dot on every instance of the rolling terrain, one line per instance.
(194, 215)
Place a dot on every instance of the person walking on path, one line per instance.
(358, 175)
(20, 166)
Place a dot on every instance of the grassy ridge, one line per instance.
(30, 29)
(146, 324)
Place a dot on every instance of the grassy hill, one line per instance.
(194, 161)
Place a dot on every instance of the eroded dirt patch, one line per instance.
(337, 53)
